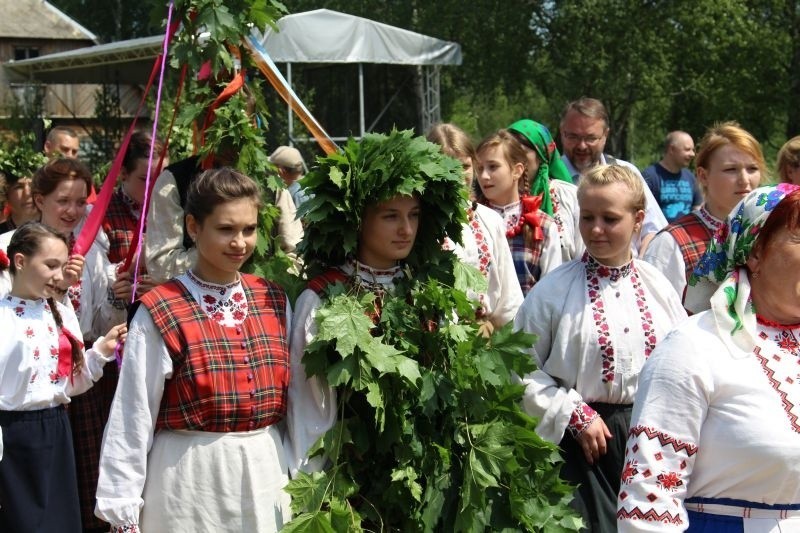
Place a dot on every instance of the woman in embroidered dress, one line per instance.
(729, 165)
(42, 365)
(549, 177)
(532, 234)
(597, 319)
(194, 440)
(484, 242)
(714, 443)
(60, 190)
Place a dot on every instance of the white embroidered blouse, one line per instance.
(596, 326)
(718, 422)
(566, 213)
(486, 248)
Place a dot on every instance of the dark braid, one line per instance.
(77, 350)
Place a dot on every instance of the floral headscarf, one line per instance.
(720, 281)
(550, 166)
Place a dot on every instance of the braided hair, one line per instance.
(27, 240)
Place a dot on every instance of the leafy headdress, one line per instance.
(372, 170)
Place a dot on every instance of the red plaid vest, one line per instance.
(225, 378)
(692, 237)
(120, 224)
(319, 283)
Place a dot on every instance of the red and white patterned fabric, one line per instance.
(677, 249)
(29, 356)
(485, 247)
(532, 258)
(229, 378)
(594, 327)
(713, 421)
(232, 381)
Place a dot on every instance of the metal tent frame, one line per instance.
(319, 36)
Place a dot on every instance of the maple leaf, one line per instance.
(344, 320)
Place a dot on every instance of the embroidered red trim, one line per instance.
(4, 261)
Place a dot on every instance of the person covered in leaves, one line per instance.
(485, 246)
(532, 234)
(375, 223)
(423, 411)
(597, 319)
(194, 440)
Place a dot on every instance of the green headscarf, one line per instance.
(550, 167)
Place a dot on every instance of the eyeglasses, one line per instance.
(589, 140)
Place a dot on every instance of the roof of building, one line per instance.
(37, 19)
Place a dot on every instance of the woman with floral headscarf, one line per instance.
(550, 179)
(714, 443)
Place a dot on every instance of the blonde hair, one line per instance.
(453, 140)
(789, 154)
(729, 133)
(603, 175)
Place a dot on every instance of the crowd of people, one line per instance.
(157, 387)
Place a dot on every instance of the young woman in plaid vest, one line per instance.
(532, 234)
(43, 364)
(194, 440)
(597, 319)
(730, 164)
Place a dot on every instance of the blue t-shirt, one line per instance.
(675, 193)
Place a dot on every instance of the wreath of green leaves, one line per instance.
(20, 159)
(372, 170)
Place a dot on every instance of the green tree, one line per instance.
(113, 20)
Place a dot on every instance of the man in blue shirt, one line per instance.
(673, 185)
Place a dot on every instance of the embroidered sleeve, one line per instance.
(581, 418)
(669, 410)
(654, 478)
(127, 528)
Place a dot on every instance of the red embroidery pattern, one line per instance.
(650, 516)
(669, 481)
(663, 439)
(557, 210)
(630, 470)
(484, 255)
(581, 417)
(74, 293)
(594, 272)
(782, 373)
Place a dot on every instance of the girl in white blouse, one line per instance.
(42, 365)
(597, 319)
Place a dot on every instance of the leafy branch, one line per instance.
(430, 434)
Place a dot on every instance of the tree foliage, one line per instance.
(430, 434)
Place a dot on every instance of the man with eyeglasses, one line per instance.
(584, 130)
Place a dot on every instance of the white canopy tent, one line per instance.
(319, 36)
